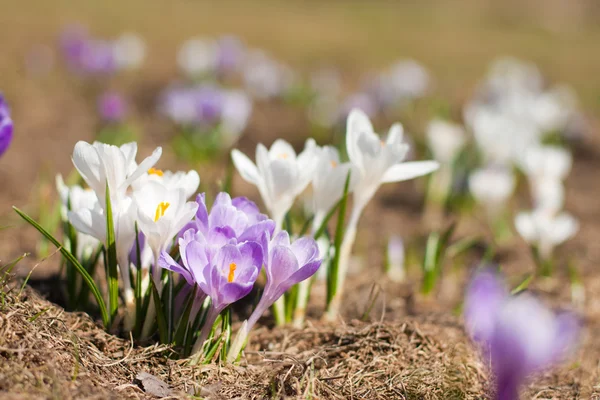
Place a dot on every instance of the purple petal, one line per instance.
(202, 213)
(167, 262)
(254, 232)
(303, 273)
(282, 265)
(196, 259)
(305, 249)
(568, 327)
(485, 295)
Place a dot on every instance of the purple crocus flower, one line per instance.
(239, 218)
(229, 55)
(209, 105)
(286, 264)
(520, 335)
(73, 43)
(6, 126)
(225, 274)
(112, 107)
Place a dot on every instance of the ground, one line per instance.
(410, 346)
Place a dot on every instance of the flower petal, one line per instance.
(409, 170)
(245, 167)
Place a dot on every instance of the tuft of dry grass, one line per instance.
(47, 352)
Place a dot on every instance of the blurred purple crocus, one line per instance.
(6, 126)
(286, 264)
(112, 107)
(520, 336)
(229, 55)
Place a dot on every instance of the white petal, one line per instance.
(282, 149)
(526, 226)
(145, 165)
(89, 222)
(358, 122)
(87, 162)
(564, 227)
(409, 170)
(245, 167)
(395, 134)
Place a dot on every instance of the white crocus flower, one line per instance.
(198, 56)
(162, 213)
(279, 174)
(445, 140)
(547, 162)
(492, 187)
(237, 108)
(329, 179)
(375, 162)
(129, 51)
(100, 164)
(545, 230)
(188, 181)
(75, 198)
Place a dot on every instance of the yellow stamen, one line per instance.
(333, 164)
(161, 208)
(155, 171)
(232, 268)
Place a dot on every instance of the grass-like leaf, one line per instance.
(160, 314)
(111, 259)
(69, 257)
(332, 273)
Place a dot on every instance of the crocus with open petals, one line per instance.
(546, 230)
(225, 275)
(375, 162)
(517, 333)
(279, 174)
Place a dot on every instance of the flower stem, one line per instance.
(211, 317)
(344, 262)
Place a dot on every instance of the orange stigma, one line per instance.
(155, 171)
(333, 163)
(283, 156)
(161, 208)
(232, 268)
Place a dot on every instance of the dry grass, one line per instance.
(47, 352)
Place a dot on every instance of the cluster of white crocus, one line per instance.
(281, 176)
(546, 225)
(514, 111)
(139, 193)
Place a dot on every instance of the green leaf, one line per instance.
(332, 273)
(71, 258)
(523, 285)
(184, 322)
(160, 314)
(111, 259)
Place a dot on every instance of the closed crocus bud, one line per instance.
(492, 187)
(6, 126)
(517, 333)
(286, 264)
(395, 259)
